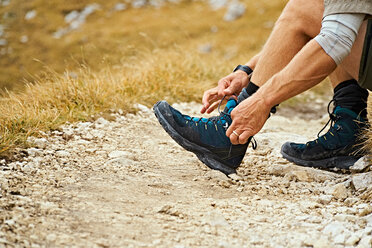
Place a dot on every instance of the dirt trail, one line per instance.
(126, 183)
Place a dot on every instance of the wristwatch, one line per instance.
(244, 68)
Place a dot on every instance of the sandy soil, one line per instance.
(126, 183)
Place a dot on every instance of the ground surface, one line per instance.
(126, 183)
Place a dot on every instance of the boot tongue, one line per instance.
(230, 105)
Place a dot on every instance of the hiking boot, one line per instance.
(339, 148)
(204, 137)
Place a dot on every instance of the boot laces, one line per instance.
(333, 118)
(215, 119)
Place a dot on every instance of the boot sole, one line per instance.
(341, 162)
(203, 154)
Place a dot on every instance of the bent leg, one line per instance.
(299, 22)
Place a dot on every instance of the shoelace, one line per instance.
(333, 118)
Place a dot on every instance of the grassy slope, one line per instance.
(138, 55)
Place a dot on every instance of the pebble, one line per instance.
(360, 165)
(235, 10)
(63, 153)
(362, 181)
(339, 191)
(30, 15)
(334, 228)
(41, 143)
(324, 199)
(352, 240)
(120, 6)
(116, 154)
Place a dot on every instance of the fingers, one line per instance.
(209, 97)
(232, 89)
(222, 85)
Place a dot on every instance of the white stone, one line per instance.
(30, 15)
(217, 4)
(334, 228)
(71, 16)
(234, 11)
(324, 199)
(138, 3)
(3, 42)
(339, 191)
(361, 164)
(116, 154)
(102, 121)
(365, 242)
(368, 219)
(142, 108)
(120, 162)
(34, 151)
(352, 240)
(63, 153)
(23, 39)
(41, 143)
(362, 181)
(339, 239)
(120, 6)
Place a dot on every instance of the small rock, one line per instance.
(368, 219)
(234, 11)
(102, 121)
(116, 154)
(138, 3)
(352, 240)
(120, 162)
(41, 143)
(325, 199)
(361, 164)
(142, 108)
(365, 242)
(339, 191)
(362, 181)
(334, 228)
(217, 4)
(321, 243)
(24, 39)
(30, 15)
(339, 239)
(34, 151)
(351, 201)
(301, 176)
(120, 6)
(3, 42)
(63, 154)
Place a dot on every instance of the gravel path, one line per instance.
(126, 183)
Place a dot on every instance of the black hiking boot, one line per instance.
(341, 146)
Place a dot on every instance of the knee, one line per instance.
(302, 16)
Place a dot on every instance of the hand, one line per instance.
(248, 119)
(229, 86)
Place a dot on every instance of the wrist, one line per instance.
(243, 68)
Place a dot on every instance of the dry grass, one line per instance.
(139, 55)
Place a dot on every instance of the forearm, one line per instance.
(308, 68)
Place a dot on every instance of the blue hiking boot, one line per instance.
(339, 148)
(204, 137)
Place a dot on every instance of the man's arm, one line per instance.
(308, 68)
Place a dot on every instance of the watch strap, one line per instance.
(244, 68)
